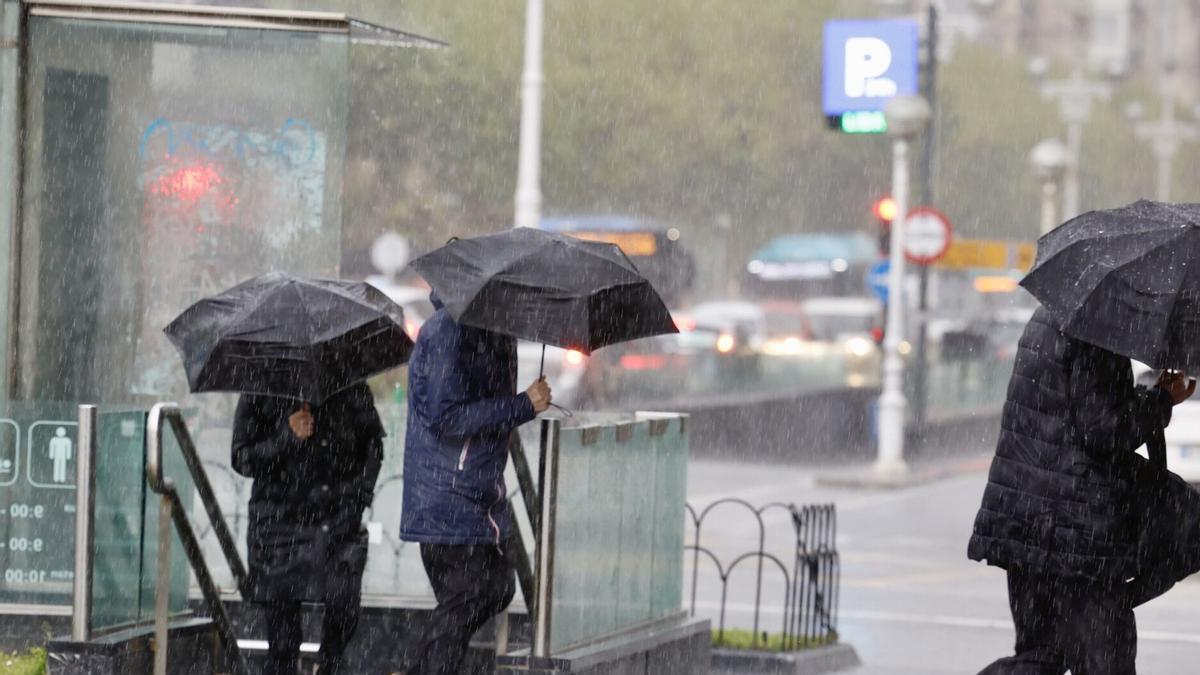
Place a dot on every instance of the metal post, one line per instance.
(85, 508)
(920, 374)
(529, 190)
(892, 402)
(1075, 96)
(502, 633)
(1167, 134)
(11, 126)
(1071, 179)
(162, 585)
(1049, 193)
(545, 543)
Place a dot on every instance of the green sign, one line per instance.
(864, 122)
(38, 452)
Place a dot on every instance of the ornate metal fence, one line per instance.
(809, 600)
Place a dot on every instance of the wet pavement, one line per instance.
(911, 602)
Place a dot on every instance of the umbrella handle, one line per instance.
(542, 368)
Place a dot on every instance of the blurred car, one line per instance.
(736, 326)
(1182, 434)
(850, 326)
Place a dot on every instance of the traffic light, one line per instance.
(885, 212)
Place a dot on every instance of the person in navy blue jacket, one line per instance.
(462, 407)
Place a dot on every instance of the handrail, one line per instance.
(172, 507)
(174, 416)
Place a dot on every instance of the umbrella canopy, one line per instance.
(281, 335)
(547, 288)
(1126, 280)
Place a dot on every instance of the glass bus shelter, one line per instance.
(150, 154)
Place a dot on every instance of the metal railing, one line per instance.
(171, 509)
(545, 506)
(85, 509)
(810, 586)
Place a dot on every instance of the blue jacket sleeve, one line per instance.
(451, 411)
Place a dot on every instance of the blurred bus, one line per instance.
(654, 247)
(796, 266)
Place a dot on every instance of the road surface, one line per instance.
(911, 603)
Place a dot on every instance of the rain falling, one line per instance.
(599, 336)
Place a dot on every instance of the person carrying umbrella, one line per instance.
(314, 471)
(1063, 511)
(463, 403)
(307, 432)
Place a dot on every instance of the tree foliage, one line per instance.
(687, 111)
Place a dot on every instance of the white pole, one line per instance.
(529, 190)
(892, 402)
(1071, 182)
(1049, 192)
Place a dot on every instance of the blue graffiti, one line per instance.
(295, 142)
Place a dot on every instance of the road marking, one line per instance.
(936, 577)
(930, 619)
(939, 620)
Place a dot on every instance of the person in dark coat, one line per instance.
(1057, 512)
(462, 407)
(314, 471)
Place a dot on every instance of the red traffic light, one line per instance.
(885, 209)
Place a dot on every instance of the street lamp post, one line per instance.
(1074, 96)
(1049, 159)
(906, 116)
(529, 189)
(1166, 135)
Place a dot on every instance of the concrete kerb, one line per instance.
(866, 477)
(815, 661)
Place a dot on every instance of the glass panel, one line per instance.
(578, 538)
(38, 457)
(634, 466)
(670, 496)
(963, 388)
(122, 500)
(175, 468)
(619, 535)
(191, 157)
(126, 526)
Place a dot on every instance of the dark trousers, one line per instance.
(1066, 623)
(285, 635)
(472, 584)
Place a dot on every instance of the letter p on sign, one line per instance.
(867, 62)
(867, 58)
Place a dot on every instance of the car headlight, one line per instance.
(859, 346)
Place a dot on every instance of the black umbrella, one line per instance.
(546, 288)
(286, 336)
(1127, 280)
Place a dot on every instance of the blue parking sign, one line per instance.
(868, 62)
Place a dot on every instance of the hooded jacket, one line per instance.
(1059, 497)
(462, 408)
